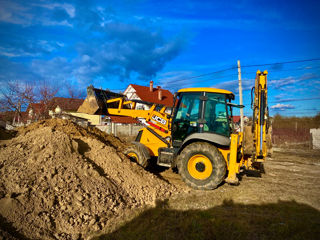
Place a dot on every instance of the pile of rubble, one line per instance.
(61, 181)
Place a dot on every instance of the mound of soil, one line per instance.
(74, 130)
(61, 181)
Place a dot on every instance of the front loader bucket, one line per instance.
(96, 101)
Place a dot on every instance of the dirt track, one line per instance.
(290, 175)
(60, 181)
(284, 203)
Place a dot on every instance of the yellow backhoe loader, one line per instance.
(197, 137)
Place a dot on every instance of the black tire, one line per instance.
(135, 154)
(201, 166)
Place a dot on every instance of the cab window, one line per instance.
(187, 115)
(216, 115)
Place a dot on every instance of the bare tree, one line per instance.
(46, 94)
(16, 96)
(73, 91)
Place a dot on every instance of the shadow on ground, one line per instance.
(8, 231)
(282, 220)
(6, 134)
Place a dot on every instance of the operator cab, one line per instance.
(201, 110)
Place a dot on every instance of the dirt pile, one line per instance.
(74, 130)
(61, 181)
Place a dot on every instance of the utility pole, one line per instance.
(240, 96)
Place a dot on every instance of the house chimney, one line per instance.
(159, 93)
(151, 86)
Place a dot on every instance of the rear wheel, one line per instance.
(201, 166)
(135, 154)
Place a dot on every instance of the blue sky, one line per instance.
(111, 44)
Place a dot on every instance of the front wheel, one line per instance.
(201, 166)
(134, 153)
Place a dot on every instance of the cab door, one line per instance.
(186, 116)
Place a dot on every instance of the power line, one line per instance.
(114, 90)
(233, 80)
(294, 109)
(287, 62)
(291, 100)
(235, 67)
(246, 66)
(286, 70)
(229, 75)
(202, 75)
(295, 100)
(203, 80)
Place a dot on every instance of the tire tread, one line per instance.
(219, 165)
(142, 160)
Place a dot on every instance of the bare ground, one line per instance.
(290, 175)
(60, 181)
(284, 203)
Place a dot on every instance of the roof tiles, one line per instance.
(145, 94)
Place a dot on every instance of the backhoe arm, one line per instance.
(260, 119)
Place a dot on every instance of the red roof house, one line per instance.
(236, 119)
(13, 117)
(66, 104)
(36, 109)
(149, 94)
(41, 110)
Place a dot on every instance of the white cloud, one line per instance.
(233, 85)
(119, 49)
(15, 13)
(85, 58)
(28, 48)
(60, 44)
(47, 22)
(278, 83)
(13, 52)
(281, 107)
(65, 6)
(292, 81)
(36, 13)
(175, 79)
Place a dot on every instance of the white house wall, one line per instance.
(131, 94)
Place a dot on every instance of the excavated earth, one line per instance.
(61, 181)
